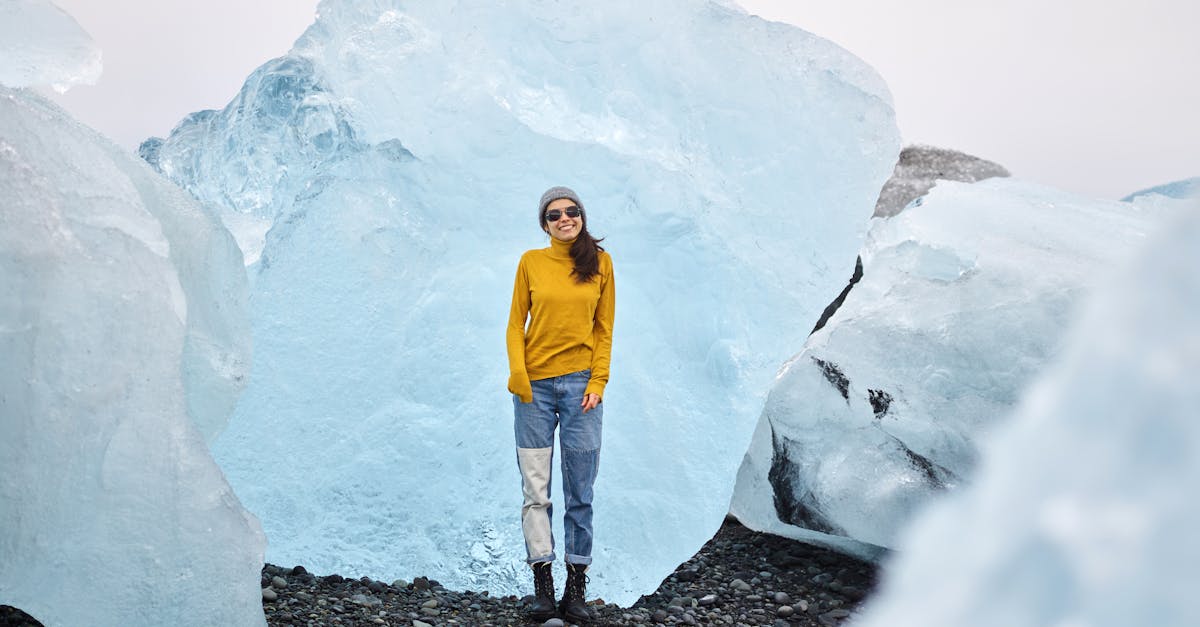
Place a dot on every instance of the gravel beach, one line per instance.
(738, 578)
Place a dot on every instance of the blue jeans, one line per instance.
(557, 404)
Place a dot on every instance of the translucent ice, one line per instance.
(963, 300)
(1186, 188)
(122, 327)
(397, 154)
(40, 44)
(1083, 511)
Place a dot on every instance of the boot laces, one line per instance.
(543, 584)
(577, 581)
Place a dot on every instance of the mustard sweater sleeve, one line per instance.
(602, 329)
(518, 377)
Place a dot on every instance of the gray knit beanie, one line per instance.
(553, 194)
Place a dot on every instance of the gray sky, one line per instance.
(1098, 98)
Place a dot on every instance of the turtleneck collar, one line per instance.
(560, 249)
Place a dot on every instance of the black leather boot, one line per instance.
(572, 607)
(543, 591)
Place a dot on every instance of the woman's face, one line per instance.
(566, 228)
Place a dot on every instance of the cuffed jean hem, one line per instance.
(584, 560)
(547, 558)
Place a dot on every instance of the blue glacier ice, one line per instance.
(1083, 509)
(1182, 189)
(965, 298)
(382, 180)
(126, 342)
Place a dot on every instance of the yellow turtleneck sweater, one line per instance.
(570, 324)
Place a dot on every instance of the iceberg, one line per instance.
(126, 342)
(40, 44)
(383, 179)
(1083, 509)
(965, 298)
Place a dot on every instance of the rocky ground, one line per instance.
(738, 578)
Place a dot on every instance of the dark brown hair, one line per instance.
(585, 250)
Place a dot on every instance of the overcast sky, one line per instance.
(1097, 97)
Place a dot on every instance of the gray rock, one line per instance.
(365, 600)
(278, 582)
(785, 611)
(430, 603)
(738, 584)
(921, 167)
(269, 594)
(781, 598)
(553, 622)
(708, 599)
(417, 623)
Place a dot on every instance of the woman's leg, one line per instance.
(579, 434)
(534, 424)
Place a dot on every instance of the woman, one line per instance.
(558, 367)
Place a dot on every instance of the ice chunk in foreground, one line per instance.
(1083, 510)
(40, 44)
(121, 311)
(399, 152)
(963, 300)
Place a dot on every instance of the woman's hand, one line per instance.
(590, 401)
(519, 384)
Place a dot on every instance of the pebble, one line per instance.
(737, 577)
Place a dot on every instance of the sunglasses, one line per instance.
(554, 214)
